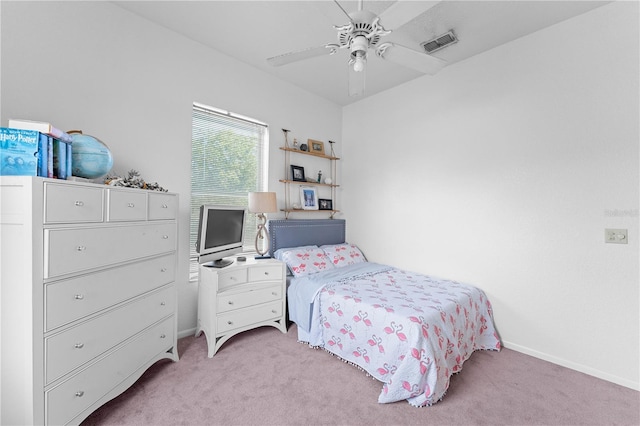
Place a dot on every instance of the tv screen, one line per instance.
(220, 234)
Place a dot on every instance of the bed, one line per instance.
(409, 331)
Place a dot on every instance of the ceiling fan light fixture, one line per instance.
(358, 65)
(359, 46)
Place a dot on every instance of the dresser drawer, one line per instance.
(80, 344)
(265, 273)
(244, 317)
(69, 300)
(162, 206)
(72, 204)
(231, 278)
(249, 298)
(73, 250)
(126, 205)
(72, 397)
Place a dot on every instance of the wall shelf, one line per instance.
(322, 187)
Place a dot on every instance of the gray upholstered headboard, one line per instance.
(304, 232)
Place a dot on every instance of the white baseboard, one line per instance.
(574, 366)
(186, 333)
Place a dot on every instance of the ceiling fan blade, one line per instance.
(312, 52)
(356, 81)
(403, 11)
(410, 58)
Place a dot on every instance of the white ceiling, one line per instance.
(252, 31)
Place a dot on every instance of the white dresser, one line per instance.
(88, 297)
(240, 297)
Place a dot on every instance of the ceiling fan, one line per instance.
(365, 31)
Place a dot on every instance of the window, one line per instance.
(229, 159)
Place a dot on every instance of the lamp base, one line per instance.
(262, 257)
(262, 234)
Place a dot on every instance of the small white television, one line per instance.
(220, 234)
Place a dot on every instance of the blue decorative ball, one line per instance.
(91, 158)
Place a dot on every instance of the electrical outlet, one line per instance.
(615, 236)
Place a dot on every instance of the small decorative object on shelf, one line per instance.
(297, 174)
(295, 143)
(319, 176)
(316, 147)
(309, 198)
(325, 204)
(303, 147)
(328, 181)
(286, 137)
(133, 180)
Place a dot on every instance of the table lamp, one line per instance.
(261, 203)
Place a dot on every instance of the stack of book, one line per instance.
(35, 148)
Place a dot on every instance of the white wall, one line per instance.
(96, 67)
(503, 171)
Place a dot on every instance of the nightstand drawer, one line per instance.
(72, 299)
(126, 205)
(244, 317)
(72, 204)
(78, 345)
(249, 298)
(265, 273)
(233, 277)
(162, 206)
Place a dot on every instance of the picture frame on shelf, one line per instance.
(308, 198)
(324, 204)
(297, 174)
(316, 147)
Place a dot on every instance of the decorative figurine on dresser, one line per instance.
(235, 294)
(88, 294)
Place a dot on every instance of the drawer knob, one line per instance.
(130, 205)
(78, 296)
(79, 345)
(163, 270)
(230, 302)
(81, 248)
(275, 293)
(230, 322)
(274, 311)
(79, 394)
(164, 206)
(266, 273)
(162, 304)
(165, 237)
(162, 336)
(79, 203)
(232, 278)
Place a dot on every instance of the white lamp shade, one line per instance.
(262, 202)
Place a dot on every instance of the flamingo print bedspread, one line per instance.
(408, 330)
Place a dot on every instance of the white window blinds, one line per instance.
(229, 159)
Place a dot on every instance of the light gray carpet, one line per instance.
(264, 377)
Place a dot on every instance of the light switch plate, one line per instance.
(615, 236)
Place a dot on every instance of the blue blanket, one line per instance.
(303, 290)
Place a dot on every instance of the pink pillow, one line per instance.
(343, 254)
(305, 260)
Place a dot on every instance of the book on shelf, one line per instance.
(43, 155)
(49, 157)
(59, 159)
(42, 127)
(19, 151)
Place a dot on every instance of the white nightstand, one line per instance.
(240, 297)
